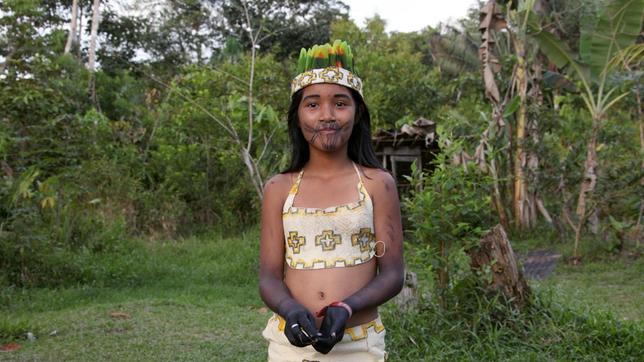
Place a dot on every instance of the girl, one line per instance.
(331, 234)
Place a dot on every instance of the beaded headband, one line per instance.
(326, 64)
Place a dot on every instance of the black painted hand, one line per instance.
(300, 325)
(332, 329)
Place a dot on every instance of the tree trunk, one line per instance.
(92, 53)
(587, 184)
(253, 171)
(497, 198)
(519, 199)
(544, 212)
(91, 65)
(495, 252)
(251, 165)
(535, 202)
(496, 195)
(71, 38)
(79, 34)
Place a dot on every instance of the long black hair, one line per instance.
(360, 149)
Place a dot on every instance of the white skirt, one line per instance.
(362, 343)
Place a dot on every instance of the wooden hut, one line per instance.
(398, 149)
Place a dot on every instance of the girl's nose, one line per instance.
(327, 113)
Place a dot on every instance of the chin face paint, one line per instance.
(327, 133)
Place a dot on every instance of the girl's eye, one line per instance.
(340, 104)
(311, 105)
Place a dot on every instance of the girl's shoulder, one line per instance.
(377, 180)
(375, 173)
(278, 186)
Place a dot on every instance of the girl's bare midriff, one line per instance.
(316, 288)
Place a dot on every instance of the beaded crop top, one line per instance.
(333, 237)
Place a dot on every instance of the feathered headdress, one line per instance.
(326, 64)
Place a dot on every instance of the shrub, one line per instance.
(47, 231)
(449, 210)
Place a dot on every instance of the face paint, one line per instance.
(326, 114)
(328, 132)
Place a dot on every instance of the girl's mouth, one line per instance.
(328, 128)
(328, 131)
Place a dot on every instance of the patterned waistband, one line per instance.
(356, 332)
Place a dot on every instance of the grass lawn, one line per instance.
(196, 300)
(200, 304)
(603, 282)
(615, 287)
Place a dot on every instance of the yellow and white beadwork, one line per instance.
(334, 237)
(334, 75)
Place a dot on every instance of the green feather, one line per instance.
(301, 63)
(343, 53)
(309, 60)
(349, 65)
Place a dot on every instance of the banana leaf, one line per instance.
(618, 27)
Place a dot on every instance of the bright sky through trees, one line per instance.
(409, 15)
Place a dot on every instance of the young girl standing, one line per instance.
(331, 234)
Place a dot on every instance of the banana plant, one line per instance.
(512, 16)
(617, 28)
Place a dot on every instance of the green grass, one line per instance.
(605, 281)
(615, 286)
(591, 312)
(201, 304)
(196, 300)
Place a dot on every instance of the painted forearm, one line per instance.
(273, 292)
(383, 287)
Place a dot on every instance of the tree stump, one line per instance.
(495, 252)
(407, 299)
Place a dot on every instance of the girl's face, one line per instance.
(327, 114)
